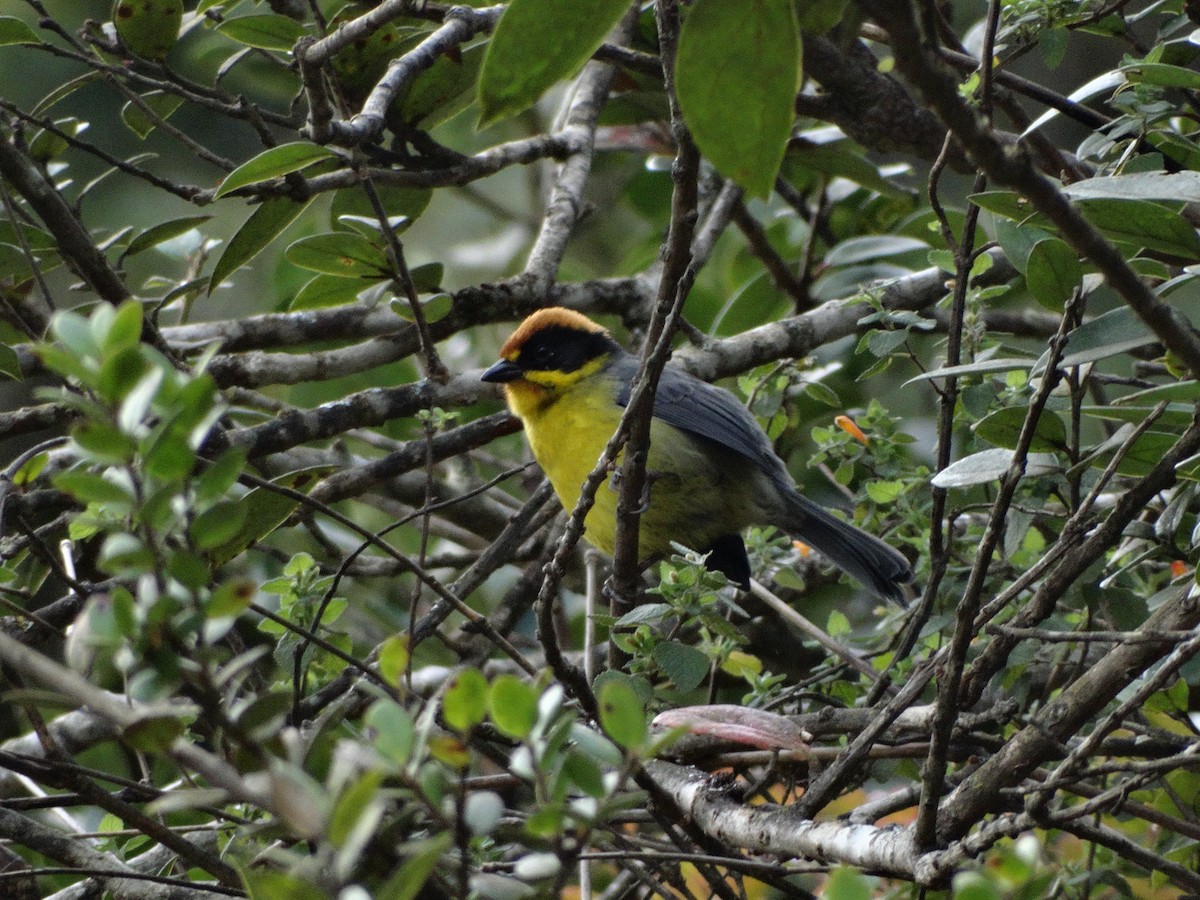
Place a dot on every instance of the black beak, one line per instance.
(502, 372)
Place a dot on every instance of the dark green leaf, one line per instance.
(398, 201)
(1052, 272)
(411, 877)
(339, 253)
(158, 234)
(266, 224)
(89, 488)
(436, 89)
(1163, 75)
(153, 734)
(537, 43)
(1116, 331)
(1142, 223)
(266, 510)
(158, 107)
(737, 73)
(104, 443)
(10, 363)
(266, 31)
(15, 31)
(1017, 241)
(274, 163)
(871, 247)
(324, 291)
(837, 159)
(220, 476)
(682, 663)
(622, 714)
(219, 524)
(1003, 427)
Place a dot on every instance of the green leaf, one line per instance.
(231, 599)
(159, 104)
(398, 201)
(836, 159)
(162, 232)
(351, 805)
(411, 877)
(340, 253)
(1003, 428)
(104, 442)
(218, 525)
(15, 31)
(1175, 187)
(537, 43)
(1116, 331)
(10, 363)
(465, 702)
(152, 734)
(1162, 75)
(148, 28)
(845, 883)
(990, 465)
(325, 291)
(819, 16)
(437, 89)
(983, 367)
(265, 510)
(264, 225)
(622, 714)
(645, 612)
(737, 73)
(1142, 223)
(1017, 241)
(682, 663)
(266, 31)
(884, 492)
(512, 705)
(1052, 272)
(394, 730)
(393, 658)
(273, 163)
(269, 884)
(89, 488)
(1008, 204)
(871, 247)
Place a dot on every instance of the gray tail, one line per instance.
(880, 567)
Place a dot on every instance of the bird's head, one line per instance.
(550, 351)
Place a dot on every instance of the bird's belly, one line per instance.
(696, 491)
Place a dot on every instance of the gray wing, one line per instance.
(705, 411)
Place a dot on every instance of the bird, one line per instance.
(711, 468)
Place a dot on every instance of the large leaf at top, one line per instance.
(281, 160)
(537, 43)
(737, 73)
